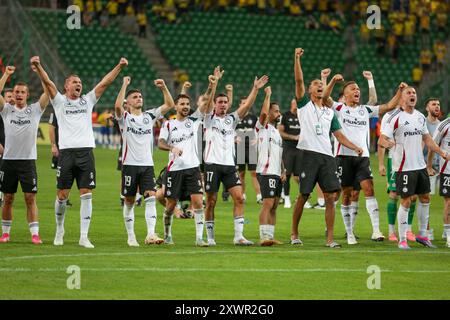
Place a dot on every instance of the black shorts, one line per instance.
(444, 185)
(182, 183)
(137, 176)
(216, 173)
(353, 170)
(414, 182)
(250, 166)
(13, 171)
(318, 168)
(292, 160)
(270, 186)
(76, 164)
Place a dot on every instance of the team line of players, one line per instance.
(403, 132)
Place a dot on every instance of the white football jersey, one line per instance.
(75, 120)
(220, 134)
(384, 121)
(316, 125)
(270, 149)
(21, 127)
(137, 136)
(442, 138)
(185, 136)
(407, 130)
(355, 123)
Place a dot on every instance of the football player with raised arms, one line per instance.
(21, 123)
(270, 169)
(136, 127)
(180, 136)
(353, 168)
(76, 143)
(219, 160)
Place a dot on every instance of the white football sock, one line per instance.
(128, 217)
(321, 201)
(374, 213)
(447, 231)
(391, 228)
(60, 210)
(402, 218)
(168, 219)
(423, 214)
(271, 231)
(6, 226)
(85, 214)
(345, 211)
(150, 215)
(210, 229)
(238, 227)
(34, 228)
(199, 218)
(353, 213)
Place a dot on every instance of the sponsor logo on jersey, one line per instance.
(139, 131)
(184, 137)
(20, 122)
(223, 131)
(78, 111)
(416, 132)
(355, 122)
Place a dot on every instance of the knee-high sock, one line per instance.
(128, 217)
(60, 211)
(345, 211)
(150, 215)
(168, 219)
(238, 227)
(374, 213)
(402, 216)
(199, 217)
(392, 214)
(423, 215)
(85, 214)
(411, 215)
(353, 210)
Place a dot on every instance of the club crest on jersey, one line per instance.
(290, 120)
(169, 193)
(228, 121)
(207, 187)
(188, 124)
(444, 191)
(405, 189)
(28, 110)
(146, 121)
(361, 112)
(303, 175)
(250, 121)
(82, 101)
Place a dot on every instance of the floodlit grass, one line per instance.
(114, 271)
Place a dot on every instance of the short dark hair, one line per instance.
(130, 92)
(8, 90)
(182, 96)
(429, 100)
(274, 103)
(220, 95)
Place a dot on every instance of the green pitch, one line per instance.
(114, 271)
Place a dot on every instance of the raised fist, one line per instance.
(299, 52)
(123, 62)
(367, 75)
(160, 83)
(126, 81)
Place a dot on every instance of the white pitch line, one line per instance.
(206, 251)
(220, 270)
